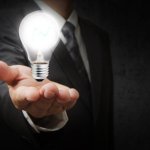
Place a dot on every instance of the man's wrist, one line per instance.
(50, 123)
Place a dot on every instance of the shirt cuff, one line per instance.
(51, 123)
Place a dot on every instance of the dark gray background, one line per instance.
(128, 23)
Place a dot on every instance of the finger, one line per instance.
(67, 95)
(64, 95)
(58, 107)
(49, 91)
(74, 94)
(7, 73)
(55, 108)
(22, 96)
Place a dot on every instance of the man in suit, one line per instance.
(51, 114)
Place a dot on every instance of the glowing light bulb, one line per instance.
(39, 35)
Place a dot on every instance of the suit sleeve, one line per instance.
(11, 52)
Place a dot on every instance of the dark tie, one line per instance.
(68, 31)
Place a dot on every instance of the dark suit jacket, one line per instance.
(89, 125)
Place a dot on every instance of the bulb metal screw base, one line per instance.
(40, 70)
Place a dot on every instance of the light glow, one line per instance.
(39, 35)
(39, 31)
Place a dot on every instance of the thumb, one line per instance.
(7, 73)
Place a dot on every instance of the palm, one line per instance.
(39, 99)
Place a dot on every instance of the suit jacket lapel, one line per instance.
(101, 76)
(63, 58)
(94, 52)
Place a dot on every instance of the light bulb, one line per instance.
(39, 35)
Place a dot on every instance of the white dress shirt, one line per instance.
(58, 121)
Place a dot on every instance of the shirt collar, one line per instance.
(60, 20)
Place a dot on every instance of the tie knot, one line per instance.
(68, 30)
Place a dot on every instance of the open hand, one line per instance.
(39, 99)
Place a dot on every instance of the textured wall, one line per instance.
(128, 24)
